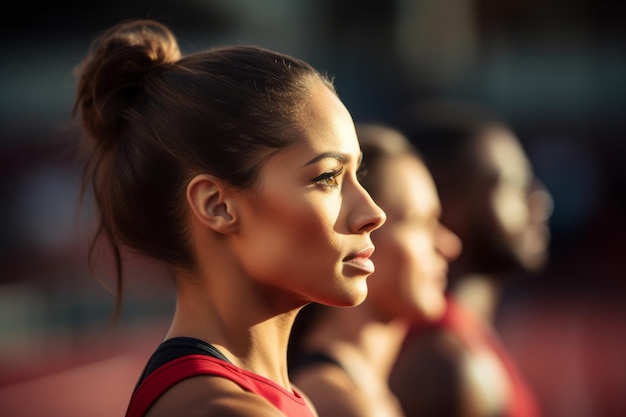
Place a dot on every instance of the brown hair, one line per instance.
(153, 119)
(380, 142)
(447, 132)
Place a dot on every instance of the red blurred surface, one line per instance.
(88, 379)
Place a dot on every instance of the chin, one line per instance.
(433, 308)
(532, 253)
(349, 298)
(534, 263)
(530, 261)
(436, 313)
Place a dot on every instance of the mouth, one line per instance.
(361, 260)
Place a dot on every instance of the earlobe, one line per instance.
(210, 203)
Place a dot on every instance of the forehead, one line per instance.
(404, 185)
(502, 154)
(326, 123)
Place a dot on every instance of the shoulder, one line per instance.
(448, 375)
(430, 364)
(445, 343)
(331, 391)
(435, 355)
(207, 396)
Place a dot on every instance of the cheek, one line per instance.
(304, 227)
(423, 279)
(287, 240)
(406, 281)
(397, 260)
(399, 252)
(291, 228)
(510, 210)
(387, 256)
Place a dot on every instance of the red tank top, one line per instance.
(152, 387)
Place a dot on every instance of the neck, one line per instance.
(363, 345)
(480, 293)
(253, 338)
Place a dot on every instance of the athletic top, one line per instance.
(180, 358)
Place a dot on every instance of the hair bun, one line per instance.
(150, 38)
(114, 73)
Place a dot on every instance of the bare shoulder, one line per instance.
(451, 380)
(331, 391)
(427, 376)
(208, 396)
(437, 347)
(435, 358)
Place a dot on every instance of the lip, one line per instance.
(361, 259)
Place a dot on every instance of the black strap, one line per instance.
(176, 347)
(311, 359)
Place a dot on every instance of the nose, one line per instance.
(448, 243)
(540, 203)
(366, 215)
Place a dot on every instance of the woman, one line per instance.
(238, 167)
(342, 358)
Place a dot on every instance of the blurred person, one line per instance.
(457, 365)
(237, 166)
(341, 357)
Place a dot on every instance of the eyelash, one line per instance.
(323, 179)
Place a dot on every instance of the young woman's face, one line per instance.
(413, 248)
(305, 231)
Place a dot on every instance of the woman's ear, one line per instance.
(210, 203)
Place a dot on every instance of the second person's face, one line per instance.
(413, 248)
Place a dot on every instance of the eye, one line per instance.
(328, 179)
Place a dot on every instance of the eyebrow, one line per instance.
(341, 157)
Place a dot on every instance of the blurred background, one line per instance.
(556, 70)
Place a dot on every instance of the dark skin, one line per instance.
(500, 213)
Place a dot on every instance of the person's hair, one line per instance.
(153, 118)
(380, 142)
(446, 132)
